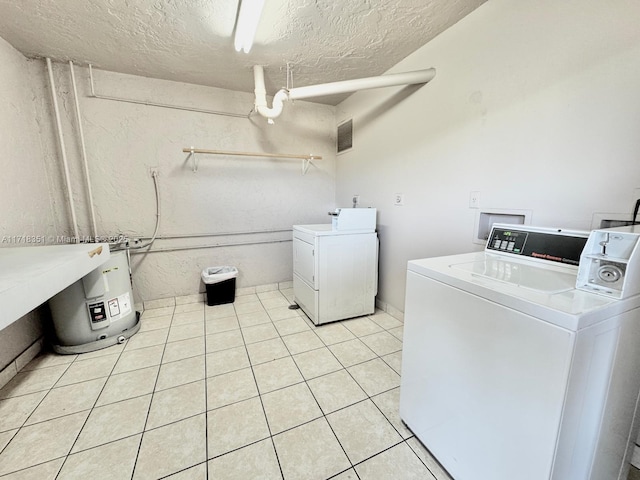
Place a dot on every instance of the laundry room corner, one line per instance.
(24, 181)
(213, 209)
(531, 110)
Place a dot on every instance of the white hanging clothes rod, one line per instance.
(306, 159)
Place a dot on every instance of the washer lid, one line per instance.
(521, 274)
(540, 289)
(322, 229)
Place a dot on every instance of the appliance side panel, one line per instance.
(619, 428)
(347, 275)
(482, 385)
(586, 394)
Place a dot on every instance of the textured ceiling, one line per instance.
(191, 40)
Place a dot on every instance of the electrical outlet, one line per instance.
(474, 199)
(356, 200)
(398, 199)
(154, 171)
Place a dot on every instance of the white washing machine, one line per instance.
(511, 372)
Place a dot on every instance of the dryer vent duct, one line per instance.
(346, 86)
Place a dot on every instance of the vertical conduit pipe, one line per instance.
(63, 151)
(84, 151)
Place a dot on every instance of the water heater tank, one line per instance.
(96, 311)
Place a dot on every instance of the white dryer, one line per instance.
(509, 371)
(335, 266)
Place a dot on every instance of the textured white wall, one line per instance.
(226, 195)
(25, 206)
(536, 106)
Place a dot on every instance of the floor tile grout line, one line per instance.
(324, 416)
(260, 394)
(206, 398)
(406, 440)
(368, 397)
(92, 408)
(144, 427)
(356, 337)
(79, 411)
(35, 465)
(377, 355)
(139, 433)
(264, 411)
(383, 329)
(319, 348)
(243, 446)
(185, 469)
(68, 365)
(27, 418)
(240, 328)
(352, 466)
(217, 408)
(380, 453)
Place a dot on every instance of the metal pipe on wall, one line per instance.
(221, 234)
(63, 150)
(83, 150)
(161, 105)
(200, 247)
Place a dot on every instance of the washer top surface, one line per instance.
(327, 229)
(521, 274)
(538, 288)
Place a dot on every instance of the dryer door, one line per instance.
(304, 261)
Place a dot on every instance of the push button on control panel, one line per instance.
(508, 241)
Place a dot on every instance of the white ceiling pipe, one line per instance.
(261, 96)
(346, 86)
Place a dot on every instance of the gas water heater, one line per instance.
(96, 311)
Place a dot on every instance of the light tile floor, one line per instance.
(250, 390)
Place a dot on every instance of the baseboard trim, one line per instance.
(20, 361)
(390, 309)
(635, 457)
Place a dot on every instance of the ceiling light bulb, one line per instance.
(248, 19)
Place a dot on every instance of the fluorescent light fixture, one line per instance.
(248, 19)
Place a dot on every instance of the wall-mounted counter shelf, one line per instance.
(29, 276)
(306, 159)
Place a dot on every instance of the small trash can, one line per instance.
(221, 284)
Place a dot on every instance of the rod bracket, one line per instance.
(305, 165)
(306, 162)
(192, 156)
